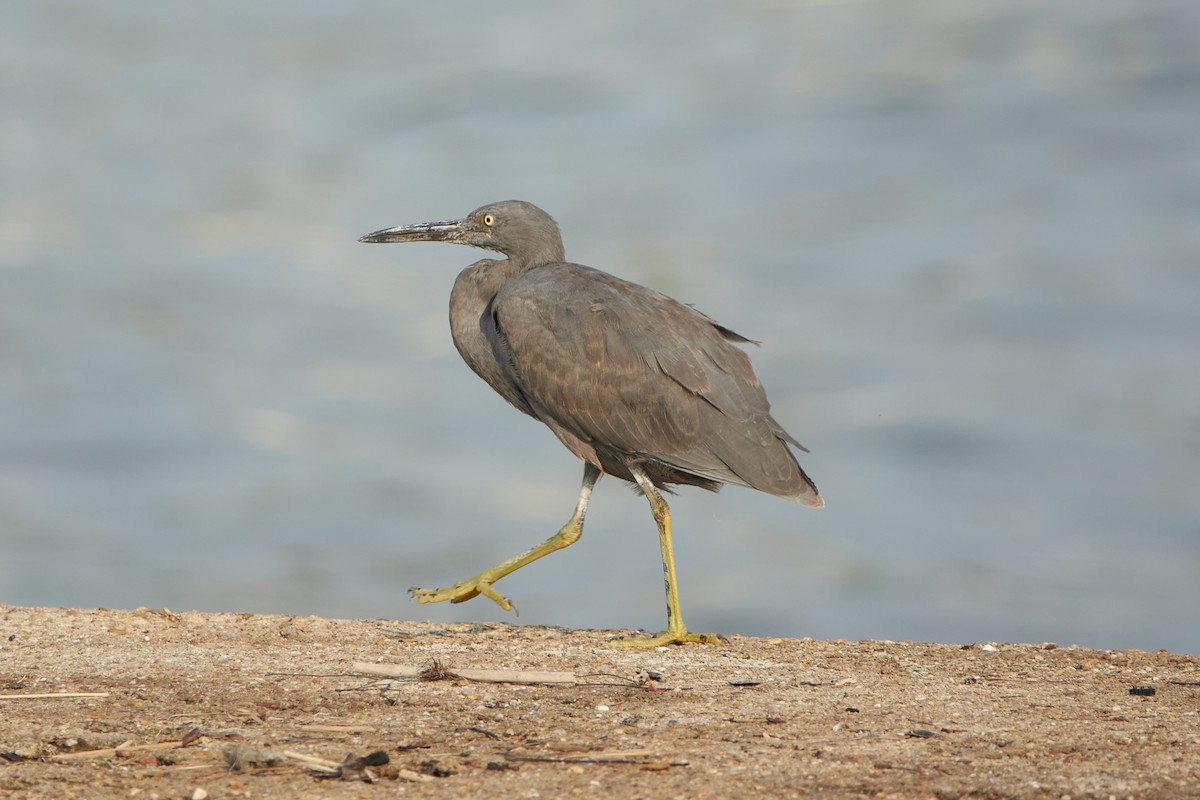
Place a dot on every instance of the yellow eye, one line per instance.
(489, 220)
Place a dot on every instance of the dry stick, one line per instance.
(312, 761)
(609, 757)
(52, 696)
(112, 751)
(339, 728)
(409, 775)
(334, 767)
(482, 675)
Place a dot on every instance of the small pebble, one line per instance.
(199, 794)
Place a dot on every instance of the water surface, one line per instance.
(964, 232)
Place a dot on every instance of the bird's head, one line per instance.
(519, 230)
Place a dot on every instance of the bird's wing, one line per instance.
(637, 372)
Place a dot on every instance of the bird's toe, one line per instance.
(462, 592)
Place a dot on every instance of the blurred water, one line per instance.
(966, 233)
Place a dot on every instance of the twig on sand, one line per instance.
(645, 758)
(112, 751)
(52, 696)
(321, 764)
(440, 672)
(338, 769)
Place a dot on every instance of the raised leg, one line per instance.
(676, 632)
(481, 584)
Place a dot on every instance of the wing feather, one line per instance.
(634, 372)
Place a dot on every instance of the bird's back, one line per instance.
(622, 372)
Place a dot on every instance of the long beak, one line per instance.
(454, 231)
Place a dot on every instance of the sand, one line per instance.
(156, 704)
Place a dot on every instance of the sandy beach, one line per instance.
(153, 703)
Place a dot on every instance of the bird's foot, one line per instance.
(681, 636)
(463, 591)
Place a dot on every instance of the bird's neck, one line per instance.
(470, 298)
(474, 289)
(477, 284)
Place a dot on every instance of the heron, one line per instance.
(636, 384)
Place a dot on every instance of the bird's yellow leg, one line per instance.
(676, 632)
(481, 584)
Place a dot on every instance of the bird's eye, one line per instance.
(489, 220)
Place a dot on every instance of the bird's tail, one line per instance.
(808, 494)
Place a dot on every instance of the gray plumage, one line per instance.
(621, 373)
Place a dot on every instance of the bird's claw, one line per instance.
(683, 636)
(462, 592)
